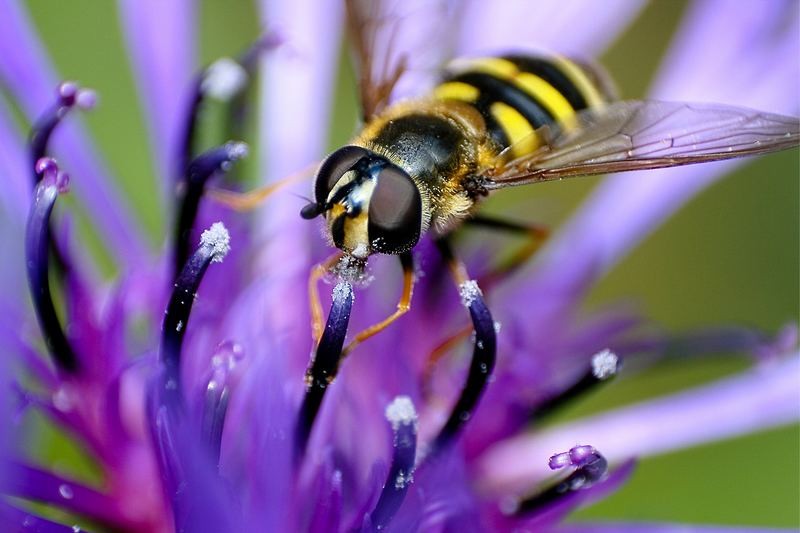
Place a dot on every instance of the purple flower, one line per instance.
(187, 379)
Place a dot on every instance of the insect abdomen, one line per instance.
(518, 94)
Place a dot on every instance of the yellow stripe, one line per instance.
(456, 90)
(578, 77)
(495, 66)
(532, 85)
(554, 101)
(523, 140)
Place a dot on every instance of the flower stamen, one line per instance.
(481, 367)
(216, 160)
(325, 364)
(214, 245)
(604, 366)
(590, 467)
(37, 252)
(218, 391)
(403, 418)
(68, 95)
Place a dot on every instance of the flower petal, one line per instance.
(294, 123)
(15, 194)
(160, 39)
(582, 27)
(759, 399)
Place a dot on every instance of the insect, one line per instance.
(422, 166)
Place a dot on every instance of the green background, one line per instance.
(730, 256)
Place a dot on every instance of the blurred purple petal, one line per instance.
(161, 42)
(29, 76)
(294, 113)
(760, 399)
(580, 27)
(32, 483)
(15, 194)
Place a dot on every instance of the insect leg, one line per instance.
(318, 271)
(483, 354)
(536, 235)
(407, 262)
(249, 200)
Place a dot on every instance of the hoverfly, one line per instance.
(420, 167)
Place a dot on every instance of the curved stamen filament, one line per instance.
(37, 252)
(199, 171)
(218, 392)
(225, 79)
(214, 245)
(604, 366)
(325, 364)
(68, 95)
(483, 360)
(403, 418)
(590, 467)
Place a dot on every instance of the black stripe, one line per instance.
(497, 90)
(337, 231)
(553, 75)
(496, 131)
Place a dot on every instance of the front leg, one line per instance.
(407, 262)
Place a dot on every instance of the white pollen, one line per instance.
(401, 412)
(224, 79)
(238, 149)
(604, 364)
(469, 291)
(360, 251)
(219, 239)
(341, 291)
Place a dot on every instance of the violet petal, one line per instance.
(761, 398)
(161, 43)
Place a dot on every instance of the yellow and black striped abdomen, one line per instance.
(518, 94)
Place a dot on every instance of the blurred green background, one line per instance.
(730, 256)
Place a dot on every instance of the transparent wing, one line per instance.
(639, 135)
(394, 40)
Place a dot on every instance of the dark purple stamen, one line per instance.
(590, 467)
(218, 390)
(167, 406)
(214, 245)
(205, 85)
(213, 161)
(604, 366)
(403, 417)
(37, 248)
(481, 367)
(68, 95)
(325, 364)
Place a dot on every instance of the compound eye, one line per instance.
(332, 169)
(395, 212)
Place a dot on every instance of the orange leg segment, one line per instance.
(407, 262)
(317, 273)
(247, 201)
